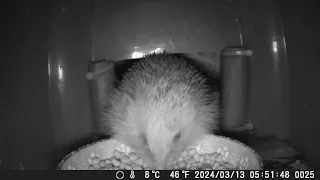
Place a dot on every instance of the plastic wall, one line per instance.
(302, 41)
(26, 125)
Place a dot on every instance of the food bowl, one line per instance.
(234, 152)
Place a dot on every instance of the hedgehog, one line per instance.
(161, 107)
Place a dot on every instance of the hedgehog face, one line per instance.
(168, 136)
(165, 137)
(160, 148)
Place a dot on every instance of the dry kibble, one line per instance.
(201, 159)
(115, 162)
(181, 164)
(137, 168)
(117, 154)
(215, 165)
(132, 157)
(186, 158)
(196, 157)
(220, 167)
(175, 166)
(108, 166)
(96, 166)
(212, 163)
(125, 159)
(188, 166)
(219, 157)
(174, 162)
(207, 161)
(144, 165)
(231, 166)
(190, 160)
(207, 156)
(200, 164)
(194, 166)
(122, 165)
(207, 167)
(108, 161)
(213, 156)
(139, 162)
(127, 167)
(225, 164)
(184, 154)
(192, 151)
(102, 164)
(95, 161)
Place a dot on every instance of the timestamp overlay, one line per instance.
(281, 174)
(221, 174)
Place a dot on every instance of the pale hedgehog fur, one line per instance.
(161, 107)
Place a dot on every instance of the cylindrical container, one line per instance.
(102, 78)
(234, 87)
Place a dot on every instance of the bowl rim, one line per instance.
(108, 139)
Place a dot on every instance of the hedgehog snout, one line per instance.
(158, 158)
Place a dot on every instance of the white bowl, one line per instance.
(233, 151)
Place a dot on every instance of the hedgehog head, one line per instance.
(158, 131)
(161, 108)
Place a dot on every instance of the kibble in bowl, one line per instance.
(210, 153)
